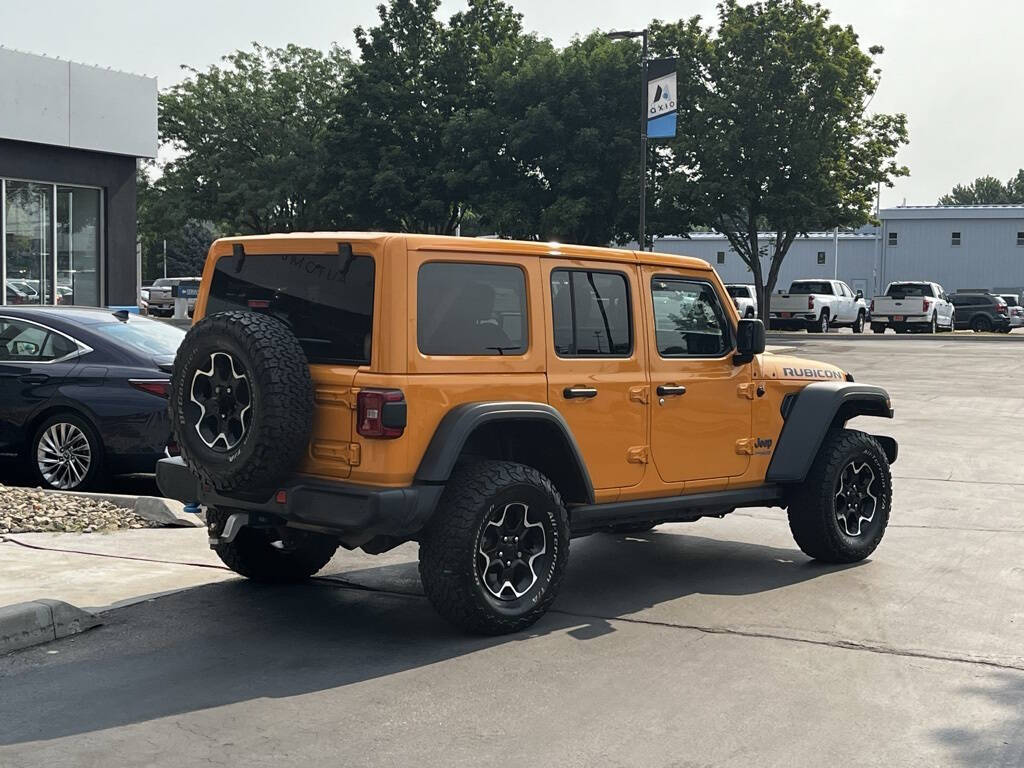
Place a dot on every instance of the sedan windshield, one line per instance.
(151, 337)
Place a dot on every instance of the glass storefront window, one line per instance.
(36, 267)
(78, 246)
(28, 236)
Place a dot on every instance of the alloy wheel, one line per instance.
(224, 399)
(508, 548)
(64, 455)
(856, 500)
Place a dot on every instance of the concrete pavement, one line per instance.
(713, 643)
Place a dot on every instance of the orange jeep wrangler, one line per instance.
(490, 400)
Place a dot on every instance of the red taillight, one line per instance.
(158, 387)
(1001, 308)
(810, 302)
(381, 413)
(924, 305)
(259, 304)
(872, 308)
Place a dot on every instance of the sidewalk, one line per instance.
(98, 571)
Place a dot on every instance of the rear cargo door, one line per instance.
(327, 300)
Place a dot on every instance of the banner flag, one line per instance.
(661, 98)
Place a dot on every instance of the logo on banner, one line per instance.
(661, 96)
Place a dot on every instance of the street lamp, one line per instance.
(629, 35)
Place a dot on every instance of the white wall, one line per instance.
(50, 101)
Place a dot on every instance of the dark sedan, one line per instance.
(83, 392)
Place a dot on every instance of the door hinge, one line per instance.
(639, 394)
(637, 454)
(332, 450)
(745, 390)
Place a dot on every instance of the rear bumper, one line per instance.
(356, 513)
(907, 320)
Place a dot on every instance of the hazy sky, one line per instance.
(953, 66)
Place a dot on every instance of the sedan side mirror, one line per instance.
(750, 340)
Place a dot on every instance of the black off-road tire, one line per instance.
(449, 547)
(812, 508)
(281, 392)
(252, 552)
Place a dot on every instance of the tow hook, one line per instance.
(232, 526)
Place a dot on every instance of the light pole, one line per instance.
(628, 35)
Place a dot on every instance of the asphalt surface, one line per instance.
(712, 643)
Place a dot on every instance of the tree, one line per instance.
(247, 138)
(399, 142)
(161, 218)
(987, 190)
(773, 131)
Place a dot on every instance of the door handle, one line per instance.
(570, 392)
(670, 390)
(34, 378)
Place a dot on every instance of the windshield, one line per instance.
(150, 337)
(909, 289)
(738, 291)
(811, 287)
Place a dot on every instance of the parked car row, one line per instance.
(23, 291)
(83, 392)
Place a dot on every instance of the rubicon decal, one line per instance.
(812, 373)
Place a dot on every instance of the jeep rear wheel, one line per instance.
(241, 400)
(492, 559)
(839, 513)
(275, 555)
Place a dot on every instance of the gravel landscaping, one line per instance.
(26, 510)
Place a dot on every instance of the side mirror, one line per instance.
(860, 294)
(750, 340)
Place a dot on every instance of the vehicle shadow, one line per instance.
(1001, 742)
(235, 641)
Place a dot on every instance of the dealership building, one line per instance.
(959, 247)
(70, 138)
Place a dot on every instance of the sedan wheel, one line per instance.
(66, 454)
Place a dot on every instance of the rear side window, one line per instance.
(325, 298)
(470, 309)
(688, 319)
(592, 313)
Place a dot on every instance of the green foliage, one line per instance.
(773, 129)
(246, 137)
(987, 190)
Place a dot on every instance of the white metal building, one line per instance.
(977, 247)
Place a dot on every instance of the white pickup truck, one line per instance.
(818, 305)
(912, 306)
(744, 297)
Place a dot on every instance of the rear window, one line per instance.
(738, 291)
(824, 289)
(150, 337)
(898, 290)
(325, 298)
(470, 309)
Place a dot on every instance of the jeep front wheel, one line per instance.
(840, 512)
(493, 557)
(274, 555)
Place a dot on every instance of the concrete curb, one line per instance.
(40, 621)
(152, 508)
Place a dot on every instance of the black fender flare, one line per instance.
(809, 415)
(461, 421)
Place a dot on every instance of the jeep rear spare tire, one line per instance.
(241, 400)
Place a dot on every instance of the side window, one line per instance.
(592, 313)
(24, 342)
(470, 309)
(688, 319)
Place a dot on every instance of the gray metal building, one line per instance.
(957, 246)
(70, 136)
